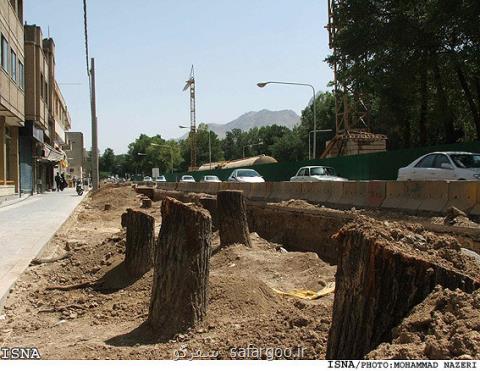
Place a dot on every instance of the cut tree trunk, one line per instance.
(232, 218)
(140, 242)
(146, 203)
(210, 204)
(379, 281)
(180, 282)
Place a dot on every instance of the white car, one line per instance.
(443, 166)
(316, 174)
(160, 178)
(187, 179)
(245, 176)
(147, 179)
(210, 179)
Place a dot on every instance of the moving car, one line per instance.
(187, 179)
(210, 179)
(316, 174)
(245, 176)
(160, 178)
(443, 166)
(147, 179)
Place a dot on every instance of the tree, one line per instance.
(107, 161)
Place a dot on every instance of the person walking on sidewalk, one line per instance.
(58, 182)
(64, 182)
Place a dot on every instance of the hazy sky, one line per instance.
(144, 52)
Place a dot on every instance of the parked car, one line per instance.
(210, 179)
(147, 179)
(316, 174)
(443, 166)
(160, 178)
(187, 179)
(245, 176)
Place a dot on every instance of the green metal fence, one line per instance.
(374, 166)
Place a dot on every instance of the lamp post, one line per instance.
(171, 152)
(209, 144)
(309, 135)
(140, 154)
(251, 145)
(263, 84)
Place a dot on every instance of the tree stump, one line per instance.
(146, 203)
(180, 282)
(107, 207)
(210, 204)
(232, 218)
(140, 242)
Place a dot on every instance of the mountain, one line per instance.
(258, 119)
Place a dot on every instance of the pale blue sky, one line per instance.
(143, 53)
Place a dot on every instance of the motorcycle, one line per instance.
(79, 188)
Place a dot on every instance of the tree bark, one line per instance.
(180, 283)
(232, 218)
(448, 115)
(210, 204)
(423, 106)
(140, 242)
(468, 95)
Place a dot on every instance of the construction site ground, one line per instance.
(105, 317)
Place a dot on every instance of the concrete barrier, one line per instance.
(324, 192)
(403, 195)
(353, 194)
(185, 187)
(376, 193)
(476, 208)
(260, 191)
(462, 195)
(282, 191)
(433, 195)
(212, 188)
(168, 186)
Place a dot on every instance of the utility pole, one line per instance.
(95, 174)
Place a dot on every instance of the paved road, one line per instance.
(26, 227)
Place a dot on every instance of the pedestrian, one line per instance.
(64, 182)
(58, 182)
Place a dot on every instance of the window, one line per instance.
(426, 162)
(4, 51)
(440, 160)
(41, 86)
(13, 65)
(21, 75)
(466, 161)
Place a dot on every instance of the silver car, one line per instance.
(187, 179)
(245, 176)
(210, 179)
(316, 174)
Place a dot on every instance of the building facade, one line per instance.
(46, 116)
(12, 95)
(75, 152)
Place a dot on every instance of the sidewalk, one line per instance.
(26, 227)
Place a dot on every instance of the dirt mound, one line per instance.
(446, 325)
(105, 318)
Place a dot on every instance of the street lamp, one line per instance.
(140, 154)
(209, 144)
(263, 84)
(171, 152)
(309, 135)
(250, 146)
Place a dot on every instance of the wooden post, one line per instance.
(140, 242)
(232, 218)
(180, 282)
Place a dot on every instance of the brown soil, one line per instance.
(105, 320)
(446, 325)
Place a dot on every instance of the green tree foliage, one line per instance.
(107, 161)
(202, 138)
(417, 65)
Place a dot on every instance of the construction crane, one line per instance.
(353, 135)
(190, 84)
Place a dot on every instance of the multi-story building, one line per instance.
(12, 85)
(46, 115)
(75, 153)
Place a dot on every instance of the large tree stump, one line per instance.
(140, 242)
(232, 218)
(210, 204)
(180, 283)
(383, 272)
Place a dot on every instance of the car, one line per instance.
(245, 176)
(210, 179)
(160, 178)
(316, 174)
(443, 166)
(147, 179)
(187, 179)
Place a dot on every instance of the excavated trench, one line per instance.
(384, 269)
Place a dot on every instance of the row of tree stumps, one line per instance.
(180, 256)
